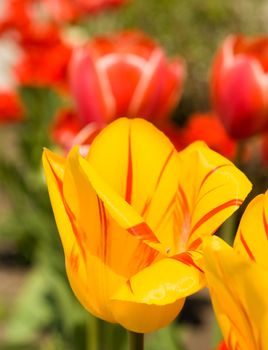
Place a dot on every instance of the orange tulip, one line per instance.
(131, 215)
(125, 74)
(238, 280)
(240, 85)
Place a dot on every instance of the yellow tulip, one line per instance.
(238, 280)
(131, 215)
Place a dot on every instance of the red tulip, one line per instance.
(126, 74)
(205, 127)
(240, 85)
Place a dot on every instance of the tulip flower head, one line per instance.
(124, 74)
(238, 280)
(131, 215)
(239, 85)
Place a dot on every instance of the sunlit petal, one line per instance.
(252, 235)
(161, 283)
(238, 289)
(211, 189)
(144, 317)
(141, 165)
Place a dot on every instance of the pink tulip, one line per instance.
(239, 85)
(125, 74)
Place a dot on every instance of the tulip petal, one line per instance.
(104, 220)
(118, 208)
(116, 67)
(144, 318)
(149, 88)
(161, 283)
(103, 215)
(75, 260)
(171, 89)
(239, 290)
(93, 103)
(91, 253)
(101, 236)
(211, 189)
(252, 235)
(239, 74)
(54, 171)
(142, 166)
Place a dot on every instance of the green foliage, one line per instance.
(41, 105)
(166, 338)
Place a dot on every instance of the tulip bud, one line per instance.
(126, 74)
(239, 85)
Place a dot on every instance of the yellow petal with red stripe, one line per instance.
(252, 235)
(211, 188)
(54, 167)
(94, 267)
(238, 289)
(141, 165)
(161, 283)
(124, 214)
(100, 233)
(54, 171)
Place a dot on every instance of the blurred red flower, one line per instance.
(45, 55)
(205, 127)
(15, 15)
(239, 85)
(125, 74)
(69, 10)
(45, 60)
(65, 127)
(67, 131)
(11, 109)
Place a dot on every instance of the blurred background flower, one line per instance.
(126, 74)
(240, 85)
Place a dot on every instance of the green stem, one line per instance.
(136, 341)
(229, 228)
(241, 146)
(95, 334)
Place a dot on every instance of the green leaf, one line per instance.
(31, 313)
